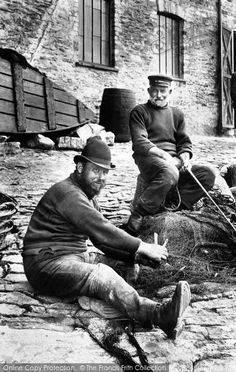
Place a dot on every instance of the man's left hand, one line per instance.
(185, 160)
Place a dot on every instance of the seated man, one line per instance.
(162, 152)
(55, 255)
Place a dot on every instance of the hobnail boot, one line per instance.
(169, 316)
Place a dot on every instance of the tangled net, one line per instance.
(201, 244)
(8, 207)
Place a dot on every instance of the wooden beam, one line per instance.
(50, 104)
(17, 75)
(81, 111)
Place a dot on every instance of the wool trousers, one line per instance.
(90, 274)
(161, 177)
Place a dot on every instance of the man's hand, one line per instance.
(177, 162)
(185, 159)
(152, 253)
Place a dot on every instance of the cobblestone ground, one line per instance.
(35, 329)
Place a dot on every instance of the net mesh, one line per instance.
(201, 244)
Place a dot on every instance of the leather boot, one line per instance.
(168, 316)
(134, 223)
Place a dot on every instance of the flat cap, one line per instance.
(160, 80)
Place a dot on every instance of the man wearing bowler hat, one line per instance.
(162, 151)
(58, 263)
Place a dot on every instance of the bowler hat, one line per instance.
(160, 80)
(97, 152)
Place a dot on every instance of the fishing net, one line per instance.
(201, 244)
(8, 207)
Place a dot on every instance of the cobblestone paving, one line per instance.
(38, 329)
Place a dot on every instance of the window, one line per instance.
(96, 32)
(170, 45)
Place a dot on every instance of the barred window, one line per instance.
(96, 31)
(169, 45)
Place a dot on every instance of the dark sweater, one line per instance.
(162, 127)
(65, 218)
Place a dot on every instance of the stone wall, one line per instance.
(46, 33)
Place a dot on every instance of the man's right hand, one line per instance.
(151, 252)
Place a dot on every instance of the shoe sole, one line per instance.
(183, 292)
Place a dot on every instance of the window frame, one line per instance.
(83, 61)
(177, 69)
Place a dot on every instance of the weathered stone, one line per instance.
(74, 143)
(96, 129)
(222, 332)
(16, 268)
(107, 137)
(9, 240)
(11, 310)
(216, 304)
(84, 132)
(45, 346)
(9, 148)
(18, 298)
(17, 258)
(2, 271)
(18, 286)
(217, 365)
(49, 299)
(36, 322)
(204, 318)
(16, 278)
(41, 142)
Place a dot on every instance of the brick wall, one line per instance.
(46, 32)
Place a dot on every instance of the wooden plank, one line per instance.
(63, 126)
(89, 114)
(65, 108)
(36, 113)
(35, 101)
(7, 123)
(81, 111)
(66, 120)
(84, 113)
(50, 105)
(6, 94)
(55, 86)
(5, 66)
(7, 107)
(6, 81)
(33, 76)
(33, 88)
(63, 96)
(40, 127)
(36, 126)
(19, 97)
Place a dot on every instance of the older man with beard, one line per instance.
(57, 261)
(162, 152)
